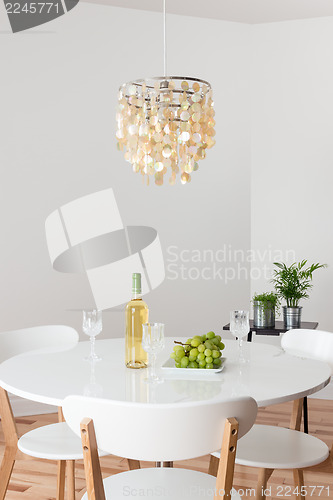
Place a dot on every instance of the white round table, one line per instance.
(270, 376)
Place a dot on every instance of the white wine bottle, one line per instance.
(136, 315)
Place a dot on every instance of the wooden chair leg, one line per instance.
(61, 476)
(70, 475)
(6, 469)
(133, 464)
(95, 488)
(296, 416)
(295, 423)
(11, 439)
(61, 417)
(225, 473)
(263, 477)
(213, 466)
(164, 464)
(299, 482)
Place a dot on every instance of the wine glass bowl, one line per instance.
(92, 326)
(153, 343)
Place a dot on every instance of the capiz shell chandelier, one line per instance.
(165, 124)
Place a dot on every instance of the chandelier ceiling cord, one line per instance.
(165, 123)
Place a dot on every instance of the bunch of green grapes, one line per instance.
(199, 352)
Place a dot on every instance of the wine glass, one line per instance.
(152, 343)
(93, 389)
(240, 327)
(92, 326)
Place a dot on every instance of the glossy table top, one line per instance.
(270, 376)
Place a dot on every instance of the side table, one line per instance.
(279, 328)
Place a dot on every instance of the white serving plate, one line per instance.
(169, 366)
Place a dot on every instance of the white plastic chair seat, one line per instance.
(162, 483)
(269, 447)
(312, 344)
(52, 442)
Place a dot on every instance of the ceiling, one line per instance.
(242, 11)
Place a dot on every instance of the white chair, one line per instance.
(159, 432)
(268, 447)
(53, 442)
(312, 344)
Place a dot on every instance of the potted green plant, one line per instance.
(265, 305)
(292, 283)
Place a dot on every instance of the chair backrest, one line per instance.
(313, 344)
(159, 432)
(17, 342)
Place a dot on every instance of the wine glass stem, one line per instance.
(92, 372)
(92, 347)
(153, 365)
(242, 359)
(240, 345)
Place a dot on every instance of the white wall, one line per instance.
(58, 101)
(292, 150)
(58, 98)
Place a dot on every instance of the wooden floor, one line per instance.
(36, 479)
